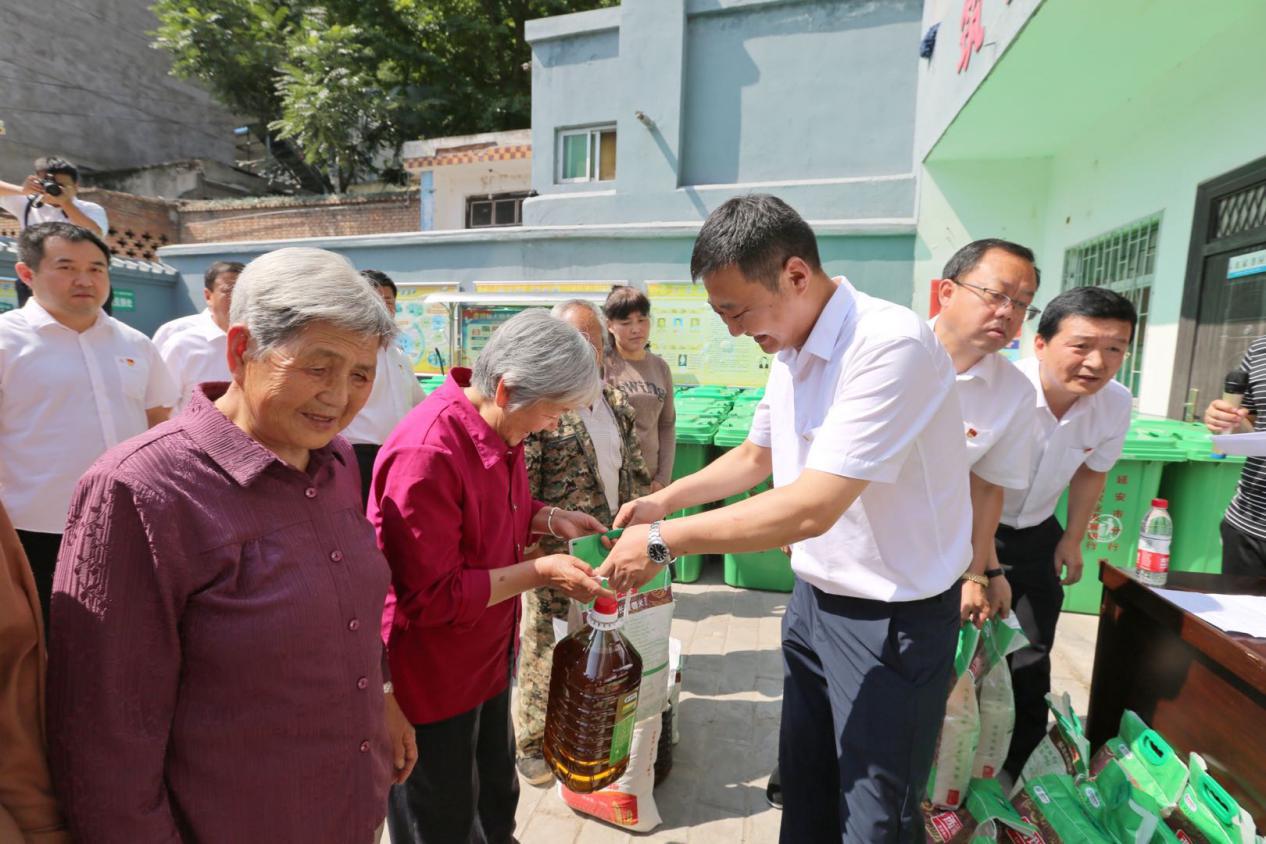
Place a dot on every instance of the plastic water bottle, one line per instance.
(1155, 534)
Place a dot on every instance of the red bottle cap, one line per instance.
(1160, 502)
(606, 606)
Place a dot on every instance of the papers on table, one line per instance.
(1249, 445)
(1229, 613)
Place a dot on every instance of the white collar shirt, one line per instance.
(16, 205)
(393, 395)
(871, 396)
(998, 411)
(604, 433)
(1091, 432)
(65, 398)
(196, 351)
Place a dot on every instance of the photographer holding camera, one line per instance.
(49, 196)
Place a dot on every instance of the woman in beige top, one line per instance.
(643, 377)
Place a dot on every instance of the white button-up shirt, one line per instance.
(1091, 432)
(66, 397)
(395, 392)
(871, 396)
(195, 351)
(998, 409)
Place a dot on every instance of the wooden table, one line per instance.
(1200, 688)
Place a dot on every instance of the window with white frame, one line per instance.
(494, 209)
(586, 155)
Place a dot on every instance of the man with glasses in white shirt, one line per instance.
(1082, 417)
(985, 295)
(195, 348)
(74, 382)
(861, 428)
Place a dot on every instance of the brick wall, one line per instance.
(268, 218)
(139, 225)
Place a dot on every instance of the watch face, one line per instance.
(658, 552)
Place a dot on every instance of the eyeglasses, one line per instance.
(997, 299)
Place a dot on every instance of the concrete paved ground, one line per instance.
(732, 689)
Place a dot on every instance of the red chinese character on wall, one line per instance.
(1123, 479)
(1120, 496)
(972, 35)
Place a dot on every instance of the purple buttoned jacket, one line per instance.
(214, 662)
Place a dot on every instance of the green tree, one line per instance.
(335, 88)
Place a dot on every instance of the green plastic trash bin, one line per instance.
(714, 391)
(1198, 491)
(694, 450)
(768, 570)
(1113, 534)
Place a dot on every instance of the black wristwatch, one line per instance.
(992, 573)
(656, 548)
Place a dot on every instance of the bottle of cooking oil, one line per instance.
(593, 692)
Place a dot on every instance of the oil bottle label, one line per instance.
(622, 731)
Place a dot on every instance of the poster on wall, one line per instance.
(424, 329)
(478, 323)
(695, 342)
(8, 295)
(545, 286)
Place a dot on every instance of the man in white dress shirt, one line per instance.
(195, 347)
(395, 392)
(1082, 417)
(986, 293)
(74, 382)
(861, 427)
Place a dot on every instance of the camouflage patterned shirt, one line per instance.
(562, 466)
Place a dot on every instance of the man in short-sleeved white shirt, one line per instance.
(985, 294)
(195, 347)
(395, 392)
(32, 204)
(73, 382)
(1081, 419)
(861, 428)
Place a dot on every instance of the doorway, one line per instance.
(1224, 298)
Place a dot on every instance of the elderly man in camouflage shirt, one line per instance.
(592, 463)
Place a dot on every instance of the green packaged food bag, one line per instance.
(592, 551)
(1052, 804)
(648, 621)
(1065, 749)
(984, 816)
(1155, 770)
(960, 731)
(994, 695)
(1206, 814)
(1112, 800)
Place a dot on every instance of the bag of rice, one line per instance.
(995, 697)
(1112, 799)
(629, 802)
(1052, 804)
(960, 731)
(1065, 750)
(1157, 773)
(983, 817)
(1206, 814)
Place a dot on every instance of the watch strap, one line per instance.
(978, 579)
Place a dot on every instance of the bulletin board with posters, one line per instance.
(424, 329)
(8, 294)
(695, 342)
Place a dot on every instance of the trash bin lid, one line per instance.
(715, 391)
(696, 431)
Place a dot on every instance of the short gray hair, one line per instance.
(538, 358)
(281, 292)
(562, 309)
